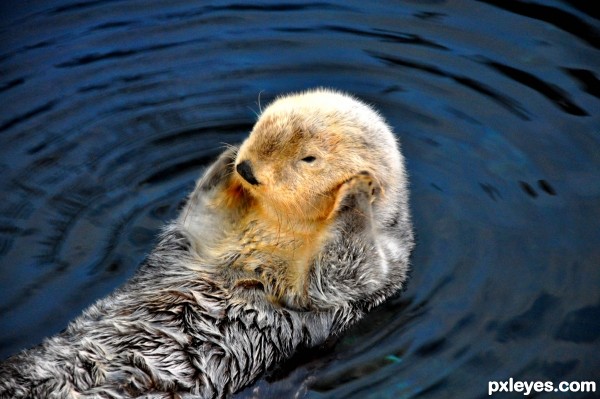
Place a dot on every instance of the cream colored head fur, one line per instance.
(306, 145)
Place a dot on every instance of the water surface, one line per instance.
(111, 109)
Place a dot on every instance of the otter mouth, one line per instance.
(244, 169)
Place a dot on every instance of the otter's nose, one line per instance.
(245, 170)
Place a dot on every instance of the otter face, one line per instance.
(293, 163)
(306, 145)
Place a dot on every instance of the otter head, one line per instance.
(305, 146)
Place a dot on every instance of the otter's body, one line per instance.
(284, 242)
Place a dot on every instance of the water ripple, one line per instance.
(552, 15)
(588, 80)
(48, 106)
(112, 109)
(550, 91)
(13, 83)
(507, 102)
(115, 54)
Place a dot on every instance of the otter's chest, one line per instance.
(279, 258)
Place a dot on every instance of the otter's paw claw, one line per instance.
(362, 184)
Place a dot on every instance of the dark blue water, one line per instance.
(109, 110)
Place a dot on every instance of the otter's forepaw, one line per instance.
(358, 193)
(220, 170)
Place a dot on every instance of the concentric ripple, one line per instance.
(111, 110)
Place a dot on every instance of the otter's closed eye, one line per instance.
(309, 159)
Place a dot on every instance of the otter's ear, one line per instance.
(219, 171)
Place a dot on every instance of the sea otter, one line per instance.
(284, 242)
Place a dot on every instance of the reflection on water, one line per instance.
(111, 109)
